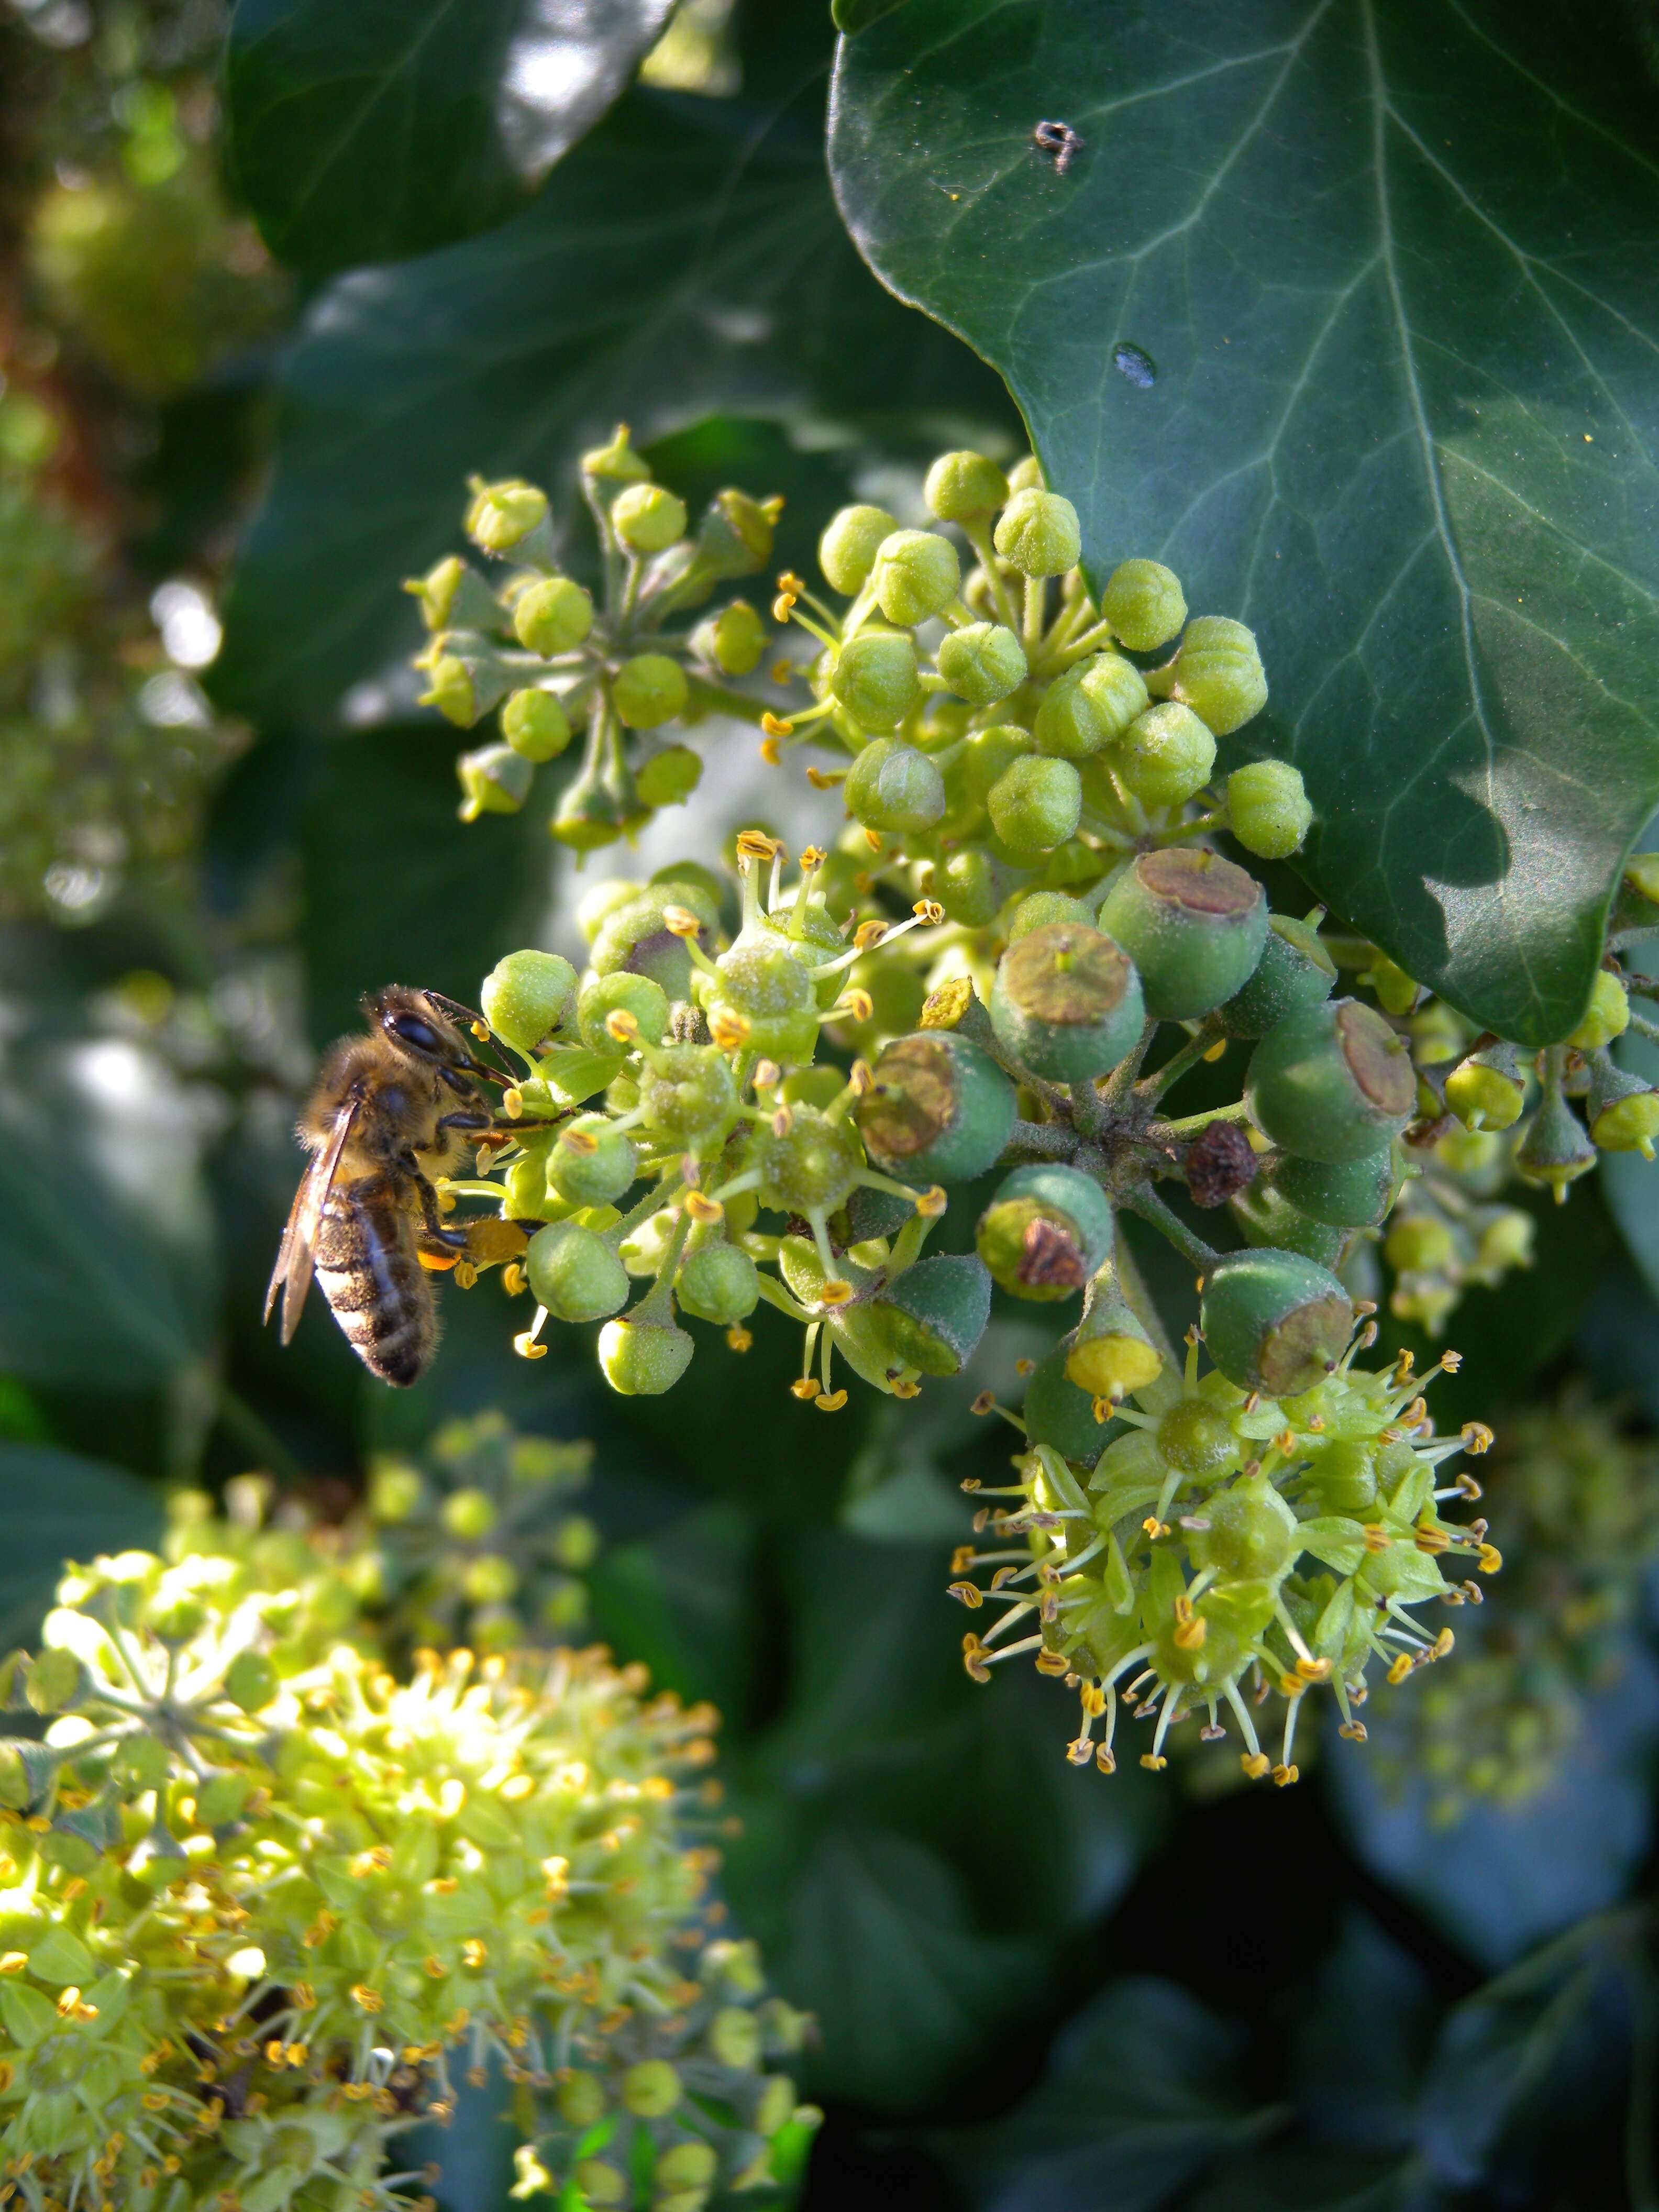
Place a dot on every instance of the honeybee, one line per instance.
(391, 1111)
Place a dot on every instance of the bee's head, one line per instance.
(411, 1022)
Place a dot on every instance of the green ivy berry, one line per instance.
(894, 786)
(1555, 1150)
(1066, 1003)
(718, 1283)
(635, 936)
(453, 595)
(642, 1359)
(916, 575)
(1046, 1232)
(940, 1110)
(1252, 1533)
(1090, 706)
(935, 1312)
(669, 777)
(1268, 808)
(1294, 971)
(1607, 1017)
(495, 780)
(1037, 909)
(625, 992)
(1165, 756)
(1420, 1243)
(846, 551)
(528, 995)
(1487, 1091)
(690, 1094)
(501, 514)
(769, 990)
(552, 616)
(1192, 923)
(1058, 1414)
(647, 518)
(733, 640)
(591, 1163)
(1274, 1321)
(964, 487)
(648, 690)
(617, 463)
(1144, 603)
(536, 724)
(972, 886)
(1037, 533)
(1035, 804)
(982, 662)
(808, 1167)
(876, 679)
(1218, 672)
(1332, 1083)
(1268, 1216)
(1347, 1194)
(574, 1274)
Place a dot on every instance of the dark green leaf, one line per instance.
(385, 127)
(55, 1505)
(1344, 308)
(663, 273)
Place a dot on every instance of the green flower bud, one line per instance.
(693, 2164)
(495, 780)
(1046, 1232)
(1268, 1218)
(1090, 706)
(600, 2183)
(536, 724)
(733, 640)
(1347, 1194)
(251, 1681)
(1038, 534)
(768, 988)
(394, 1492)
(1166, 755)
(810, 1168)
(735, 538)
(1037, 909)
(552, 616)
(972, 884)
(984, 757)
(452, 596)
(621, 991)
(1294, 971)
(1058, 1414)
(451, 688)
(501, 514)
(642, 1359)
(1144, 603)
(982, 662)
(670, 777)
(1555, 1150)
(1108, 1353)
(526, 996)
(875, 679)
(1506, 1241)
(1252, 1533)
(939, 1110)
(1486, 1091)
(690, 1094)
(776, 2106)
(581, 2098)
(1420, 1243)
(718, 1283)
(1268, 808)
(1607, 1017)
(846, 551)
(1066, 1003)
(490, 1581)
(964, 487)
(1026, 475)
(574, 1274)
(635, 936)
(1218, 673)
(589, 816)
(1333, 1083)
(470, 1514)
(647, 518)
(1035, 805)
(617, 463)
(915, 575)
(1195, 1437)
(1192, 923)
(1623, 1111)
(1274, 1321)
(592, 1163)
(892, 785)
(648, 690)
(935, 1312)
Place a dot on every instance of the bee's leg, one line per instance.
(448, 1240)
(476, 1118)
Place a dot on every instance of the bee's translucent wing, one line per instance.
(296, 1253)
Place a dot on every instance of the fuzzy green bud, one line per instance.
(915, 575)
(733, 640)
(690, 1094)
(1629, 1124)
(452, 596)
(1090, 706)
(1192, 923)
(1218, 672)
(449, 687)
(1274, 1321)
(552, 616)
(876, 679)
(617, 463)
(574, 1274)
(394, 1492)
(528, 995)
(1144, 603)
(535, 723)
(501, 514)
(1607, 1017)
(892, 785)
(591, 1163)
(1038, 534)
(621, 991)
(642, 1359)
(811, 1166)
(648, 690)
(651, 2089)
(1294, 971)
(647, 518)
(718, 1283)
(669, 777)
(1056, 1411)
(470, 1514)
(935, 1312)
(1485, 1095)
(1420, 1243)
(1165, 755)
(735, 538)
(965, 487)
(1037, 909)
(982, 662)
(846, 551)
(1035, 805)
(1268, 808)
(1555, 1150)
(495, 779)
(1345, 1193)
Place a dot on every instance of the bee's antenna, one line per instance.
(480, 1028)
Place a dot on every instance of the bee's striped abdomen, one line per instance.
(368, 1270)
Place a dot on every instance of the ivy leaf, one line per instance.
(1345, 308)
(390, 126)
(57, 1505)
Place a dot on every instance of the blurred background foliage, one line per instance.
(1426, 1978)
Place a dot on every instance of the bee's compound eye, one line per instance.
(415, 1032)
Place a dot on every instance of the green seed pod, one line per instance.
(651, 2088)
(690, 1094)
(251, 1681)
(1145, 604)
(1035, 805)
(495, 780)
(875, 679)
(1218, 673)
(670, 777)
(892, 785)
(1333, 1083)
(984, 757)
(1037, 909)
(452, 596)
(574, 1274)
(1607, 1017)
(1090, 706)
(1194, 924)
(647, 518)
(1274, 1321)
(1109, 1353)
(528, 995)
(615, 464)
(1347, 1194)
(470, 1514)
(1268, 1218)
(499, 515)
(767, 987)
(982, 662)
(936, 1310)
(735, 538)
(1252, 1533)
(718, 1283)
(591, 1163)
(693, 2165)
(1195, 1437)
(649, 690)
(1555, 1150)
(1066, 1003)
(1046, 1232)
(1294, 971)
(1268, 808)
(1506, 1241)
(939, 1110)
(1038, 534)
(1166, 755)
(964, 487)
(809, 1167)
(972, 886)
(915, 575)
(450, 687)
(642, 1359)
(1057, 1413)
(1421, 1244)
(638, 996)
(1487, 1091)
(588, 816)
(733, 640)
(637, 937)
(552, 616)
(1622, 1110)
(846, 551)
(536, 724)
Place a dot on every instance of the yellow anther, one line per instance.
(1153, 1761)
(868, 933)
(1291, 1685)
(621, 1026)
(985, 1403)
(680, 922)
(1152, 1526)
(931, 1202)
(1377, 1536)
(372, 1862)
(703, 1209)
(582, 1141)
(1217, 1050)
(525, 1346)
(1314, 1670)
(1400, 1669)
(473, 1953)
(1477, 1439)
(730, 1032)
(481, 1030)
(14, 1962)
(466, 1273)
(1283, 1776)
(1102, 1408)
(768, 1075)
(836, 1293)
(975, 1658)
(783, 606)
(962, 1559)
(1430, 1538)
(435, 1967)
(756, 845)
(1254, 1764)
(1354, 1731)
(777, 726)
(873, 838)
(830, 1402)
(1189, 1634)
(513, 1102)
(930, 911)
(856, 1006)
(738, 1338)
(903, 1388)
(783, 1120)
(1053, 1663)
(825, 779)
(967, 1594)
(807, 1387)
(1442, 1645)
(1489, 1558)
(1451, 1361)
(862, 1079)
(769, 752)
